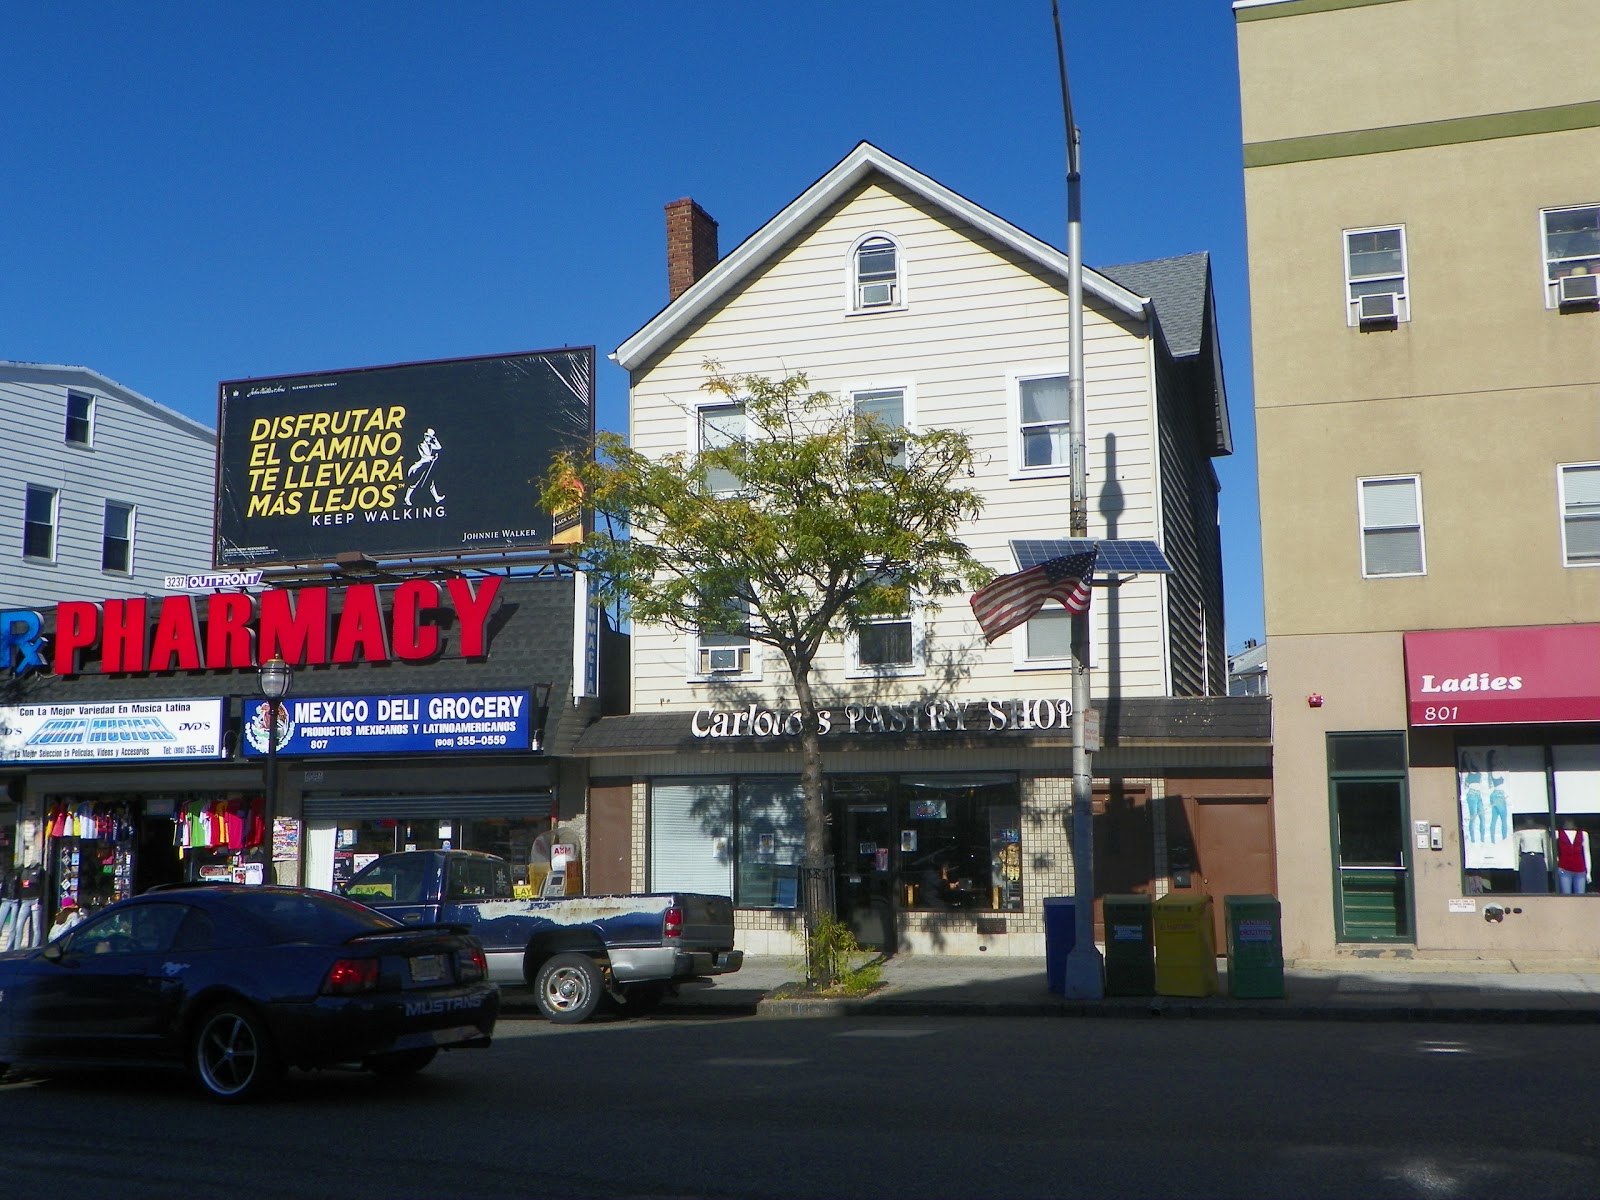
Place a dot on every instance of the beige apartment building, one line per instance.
(1422, 181)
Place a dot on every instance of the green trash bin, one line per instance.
(1130, 946)
(1255, 946)
(1186, 946)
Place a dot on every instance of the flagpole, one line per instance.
(1085, 968)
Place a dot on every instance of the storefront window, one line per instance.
(960, 842)
(742, 838)
(1528, 814)
(932, 843)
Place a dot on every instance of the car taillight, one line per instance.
(471, 964)
(672, 923)
(351, 976)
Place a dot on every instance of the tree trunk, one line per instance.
(818, 862)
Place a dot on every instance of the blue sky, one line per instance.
(199, 192)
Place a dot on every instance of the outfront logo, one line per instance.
(21, 641)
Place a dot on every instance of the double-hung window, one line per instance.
(39, 523)
(1572, 256)
(721, 426)
(722, 648)
(116, 544)
(1580, 515)
(1040, 410)
(875, 266)
(1375, 276)
(80, 419)
(891, 644)
(1391, 526)
(887, 406)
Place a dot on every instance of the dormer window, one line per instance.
(877, 274)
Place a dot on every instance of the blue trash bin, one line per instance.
(1060, 936)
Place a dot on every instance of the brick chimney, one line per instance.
(691, 246)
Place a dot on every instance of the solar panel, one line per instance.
(1116, 557)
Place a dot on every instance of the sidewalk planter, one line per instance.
(1255, 946)
(1130, 946)
(1060, 936)
(1186, 949)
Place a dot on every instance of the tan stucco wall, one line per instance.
(1483, 56)
(1483, 393)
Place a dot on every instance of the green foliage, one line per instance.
(839, 519)
(832, 960)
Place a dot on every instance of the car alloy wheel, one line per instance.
(569, 987)
(232, 1056)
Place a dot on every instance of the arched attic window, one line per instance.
(875, 268)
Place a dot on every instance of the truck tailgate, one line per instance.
(707, 921)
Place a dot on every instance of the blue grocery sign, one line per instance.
(411, 723)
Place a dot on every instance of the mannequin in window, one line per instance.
(1533, 855)
(1574, 861)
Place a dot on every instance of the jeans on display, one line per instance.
(1573, 883)
(23, 931)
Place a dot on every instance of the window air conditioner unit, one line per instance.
(875, 295)
(1578, 289)
(722, 660)
(1375, 308)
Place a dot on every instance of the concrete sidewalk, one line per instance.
(1389, 990)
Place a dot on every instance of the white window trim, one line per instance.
(94, 406)
(908, 399)
(902, 283)
(55, 523)
(1352, 313)
(1014, 380)
(1552, 292)
(918, 619)
(105, 533)
(697, 424)
(1561, 497)
(1019, 644)
(1363, 528)
(695, 672)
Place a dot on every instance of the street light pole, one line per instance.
(1085, 969)
(276, 676)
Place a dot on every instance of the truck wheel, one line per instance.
(568, 988)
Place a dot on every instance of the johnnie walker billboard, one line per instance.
(415, 459)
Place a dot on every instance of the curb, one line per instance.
(1155, 1008)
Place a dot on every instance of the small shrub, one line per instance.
(837, 964)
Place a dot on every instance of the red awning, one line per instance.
(1503, 676)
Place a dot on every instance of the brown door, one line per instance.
(609, 870)
(1233, 851)
(1124, 856)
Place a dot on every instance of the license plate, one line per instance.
(427, 968)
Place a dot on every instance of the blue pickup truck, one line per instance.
(574, 951)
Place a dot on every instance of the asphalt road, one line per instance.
(884, 1108)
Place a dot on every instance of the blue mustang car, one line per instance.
(237, 984)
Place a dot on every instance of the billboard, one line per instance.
(415, 459)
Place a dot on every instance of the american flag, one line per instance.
(1012, 599)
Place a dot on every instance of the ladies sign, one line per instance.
(1503, 676)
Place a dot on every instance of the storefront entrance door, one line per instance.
(1373, 896)
(864, 877)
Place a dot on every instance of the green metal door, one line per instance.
(1373, 887)
(1371, 853)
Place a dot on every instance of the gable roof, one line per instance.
(1180, 290)
(60, 373)
(866, 159)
